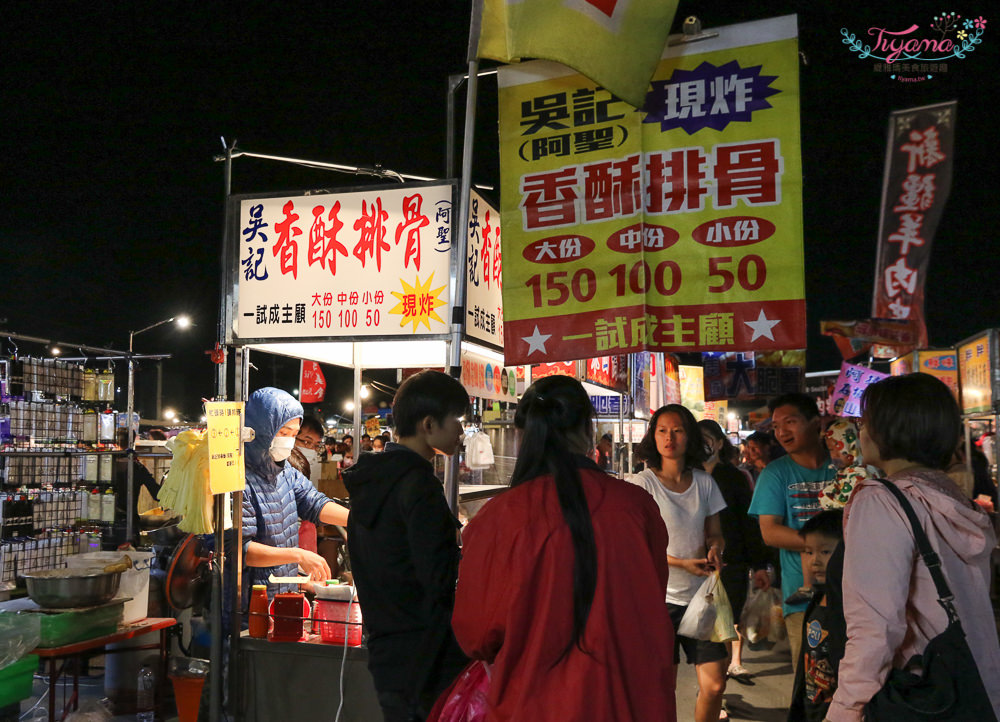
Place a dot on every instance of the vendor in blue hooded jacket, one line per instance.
(277, 496)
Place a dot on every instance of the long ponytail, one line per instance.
(552, 412)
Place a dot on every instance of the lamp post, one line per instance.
(182, 322)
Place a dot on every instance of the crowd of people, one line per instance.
(569, 587)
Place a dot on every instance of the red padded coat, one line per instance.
(514, 606)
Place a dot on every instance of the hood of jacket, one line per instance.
(373, 476)
(963, 526)
(267, 410)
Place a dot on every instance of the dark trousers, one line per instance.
(400, 662)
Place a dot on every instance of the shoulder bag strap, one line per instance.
(930, 557)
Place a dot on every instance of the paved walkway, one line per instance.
(766, 700)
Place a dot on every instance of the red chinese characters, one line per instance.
(286, 245)
(612, 188)
(485, 251)
(413, 221)
(372, 241)
(323, 245)
(747, 171)
(676, 181)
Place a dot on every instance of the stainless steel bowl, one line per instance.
(67, 588)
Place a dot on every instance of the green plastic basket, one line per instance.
(16, 680)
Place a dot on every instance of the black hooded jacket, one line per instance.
(403, 543)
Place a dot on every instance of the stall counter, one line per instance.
(301, 680)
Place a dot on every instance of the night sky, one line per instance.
(112, 113)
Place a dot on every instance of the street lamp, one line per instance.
(182, 322)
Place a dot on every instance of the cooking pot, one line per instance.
(67, 588)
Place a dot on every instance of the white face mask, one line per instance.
(281, 448)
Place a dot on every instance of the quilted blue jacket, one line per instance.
(276, 495)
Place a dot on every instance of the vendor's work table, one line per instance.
(66, 659)
(301, 680)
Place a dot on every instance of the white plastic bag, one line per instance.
(723, 631)
(700, 618)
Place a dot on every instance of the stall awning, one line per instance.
(410, 353)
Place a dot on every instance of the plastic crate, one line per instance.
(65, 628)
(16, 680)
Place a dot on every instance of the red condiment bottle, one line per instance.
(258, 612)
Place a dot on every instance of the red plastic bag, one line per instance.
(465, 699)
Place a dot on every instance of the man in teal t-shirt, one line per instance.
(787, 494)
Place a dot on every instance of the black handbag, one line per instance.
(948, 686)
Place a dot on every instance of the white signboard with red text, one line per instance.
(484, 297)
(368, 263)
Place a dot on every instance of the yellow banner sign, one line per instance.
(225, 448)
(674, 228)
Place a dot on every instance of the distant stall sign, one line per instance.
(974, 370)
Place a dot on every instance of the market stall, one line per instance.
(362, 278)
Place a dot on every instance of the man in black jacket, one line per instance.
(403, 543)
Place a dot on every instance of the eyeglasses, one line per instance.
(308, 442)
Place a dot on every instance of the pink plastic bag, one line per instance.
(465, 699)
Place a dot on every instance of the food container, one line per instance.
(339, 622)
(134, 586)
(338, 613)
(66, 588)
(288, 610)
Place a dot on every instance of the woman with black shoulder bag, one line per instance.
(922, 639)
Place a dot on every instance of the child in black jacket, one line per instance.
(824, 631)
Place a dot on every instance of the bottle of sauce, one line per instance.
(258, 612)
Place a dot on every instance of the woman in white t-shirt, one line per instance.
(690, 502)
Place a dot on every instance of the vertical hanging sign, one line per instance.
(915, 187)
(224, 420)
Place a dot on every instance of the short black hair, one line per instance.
(913, 417)
(829, 523)
(694, 454)
(427, 393)
(728, 452)
(760, 437)
(311, 423)
(805, 404)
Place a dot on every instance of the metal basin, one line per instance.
(67, 588)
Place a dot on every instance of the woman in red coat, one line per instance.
(563, 577)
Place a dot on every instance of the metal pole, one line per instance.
(454, 82)
(130, 454)
(461, 235)
(218, 501)
(356, 448)
(619, 461)
(159, 390)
